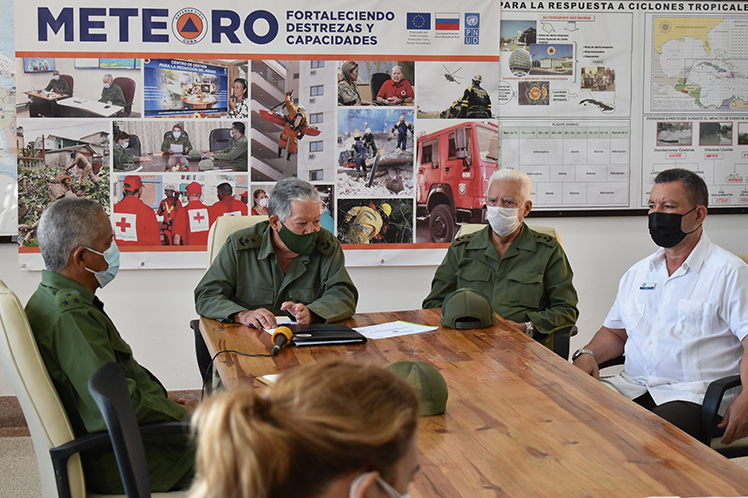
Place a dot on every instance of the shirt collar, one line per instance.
(58, 282)
(525, 240)
(694, 261)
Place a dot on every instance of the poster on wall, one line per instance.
(235, 98)
(398, 114)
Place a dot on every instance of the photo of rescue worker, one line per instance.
(457, 90)
(375, 152)
(375, 221)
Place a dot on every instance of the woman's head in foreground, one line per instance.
(327, 430)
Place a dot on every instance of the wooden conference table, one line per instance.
(520, 422)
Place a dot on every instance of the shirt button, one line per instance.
(651, 342)
(649, 373)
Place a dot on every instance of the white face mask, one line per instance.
(385, 486)
(263, 202)
(504, 221)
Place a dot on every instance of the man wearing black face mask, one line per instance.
(680, 315)
(287, 264)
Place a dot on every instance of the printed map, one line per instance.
(699, 63)
(8, 174)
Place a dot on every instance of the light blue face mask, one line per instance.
(111, 256)
(107, 85)
(385, 486)
(176, 134)
(56, 77)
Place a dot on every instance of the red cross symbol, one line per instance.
(123, 224)
(198, 217)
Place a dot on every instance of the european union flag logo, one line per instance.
(418, 20)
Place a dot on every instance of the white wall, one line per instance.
(152, 308)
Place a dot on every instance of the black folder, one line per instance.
(316, 334)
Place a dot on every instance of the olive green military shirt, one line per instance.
(246, 275)
(113, 94)
(75, 337)
(60, 86)
(531, 282)
(183, 140)
(236, 153)
(122, 157)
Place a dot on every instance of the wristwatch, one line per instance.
(529, 329)
(580, 352)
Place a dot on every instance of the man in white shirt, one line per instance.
(680, 315)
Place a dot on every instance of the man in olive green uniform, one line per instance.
(236, 153)
(123, 160)
(284, 265)
(525, 274)
(112, 92)
(41, 107)
(75, 337)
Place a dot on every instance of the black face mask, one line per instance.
(664, 228)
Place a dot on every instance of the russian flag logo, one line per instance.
(447, 21)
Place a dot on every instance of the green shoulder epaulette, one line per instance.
(247, 240)
(69, 299)
(325, 242)
(545, 238)
(463, 239)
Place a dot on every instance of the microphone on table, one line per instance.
(281, 337)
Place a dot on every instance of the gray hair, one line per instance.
(287, 190)
(695, 187)
(513, 175)
(65, 225)
(396, 66)
(109, 76)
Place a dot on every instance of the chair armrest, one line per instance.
(620, 360)
(713, 398)
(61, 454)
(561, 340)
(165, 428)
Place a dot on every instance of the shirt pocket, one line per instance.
(255, 297)
(304, 296)
(476, 277)
(632, 314)
(695, 318)
(525, 288)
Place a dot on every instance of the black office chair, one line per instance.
(108, 386)
(220, 138)
(561, 341)
(133, 147)
(376, 80)
(709, 418)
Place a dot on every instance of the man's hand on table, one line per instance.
(588, 364)
(260, 318)
(302, 314)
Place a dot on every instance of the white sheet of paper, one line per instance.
(394, 329)
(176, 148)
(280, 320)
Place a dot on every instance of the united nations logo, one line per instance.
(189, 26)
(471, 20)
